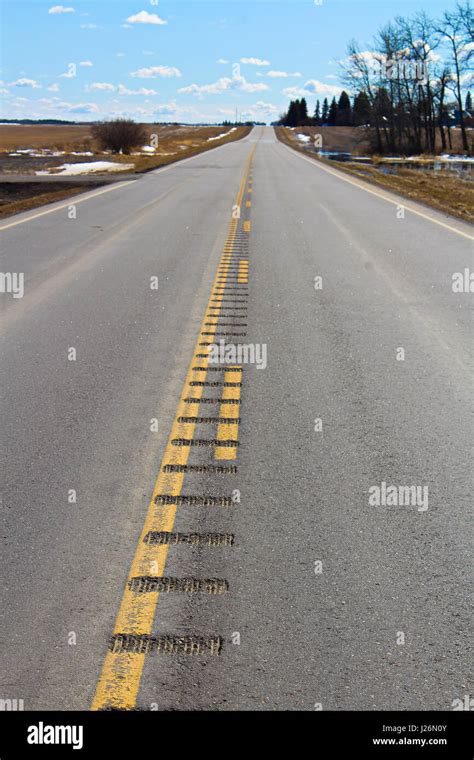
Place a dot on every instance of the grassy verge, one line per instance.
(18, 197)
(444, 191)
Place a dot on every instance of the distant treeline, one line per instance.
(63, 122)
(40, 121)
(410, 85)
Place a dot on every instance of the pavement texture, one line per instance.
(329, 599)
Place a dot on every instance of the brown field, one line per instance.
(443, 190)
(79, 138)
(174, 144)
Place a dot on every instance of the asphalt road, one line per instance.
(383, 622)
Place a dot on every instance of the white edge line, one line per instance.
(401, 202)
(90, 194)
(72, 201)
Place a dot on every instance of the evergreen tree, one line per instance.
(344, 110)
(292, 115)
(362, 110)
(303, 112)
(332, 115)
(469, 102)
(324, 116)
(317, 113)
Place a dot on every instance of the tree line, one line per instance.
(409, 86)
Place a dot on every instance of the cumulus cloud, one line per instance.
(166, 109)
(122, 90)
(60, 9)
(282, 74)
(53, 87)
(156, 71)
(255, 61)
(82, 108)
(146, 18)
(222, 60)
(86, 63)
(222, 85)
(24, 82)
(313, 87)
(259, 109)
(105, 86)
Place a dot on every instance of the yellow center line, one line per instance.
(243, 273)
(229, 431)
(121, 673)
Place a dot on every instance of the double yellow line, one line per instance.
(119, 680)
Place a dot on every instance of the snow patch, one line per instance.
(86, 168)
(223, 134)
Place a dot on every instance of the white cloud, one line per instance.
(260, 108)
(122, 90)
(4, 91)
(222, 60)
(68, 74)
(223, 84)
(156, 71)
(53, 88)
(82, 108)
(100, 86)
(60, 9)
(24, 82)
(276, 74)
(255, 61)
(90, 26)
(167, 109)
(313, 87)
(120, 55)
(146, 18)
(86, 63)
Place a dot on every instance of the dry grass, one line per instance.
(174, 144)
(67, 137)
(356, 140)
(443, 190)
(72, 138)
(15, 198)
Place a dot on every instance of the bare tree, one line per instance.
(456, 28)
(119, 135)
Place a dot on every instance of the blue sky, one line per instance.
(180, 60)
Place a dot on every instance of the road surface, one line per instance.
(322, 599)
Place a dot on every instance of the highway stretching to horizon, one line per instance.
(285, 526)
